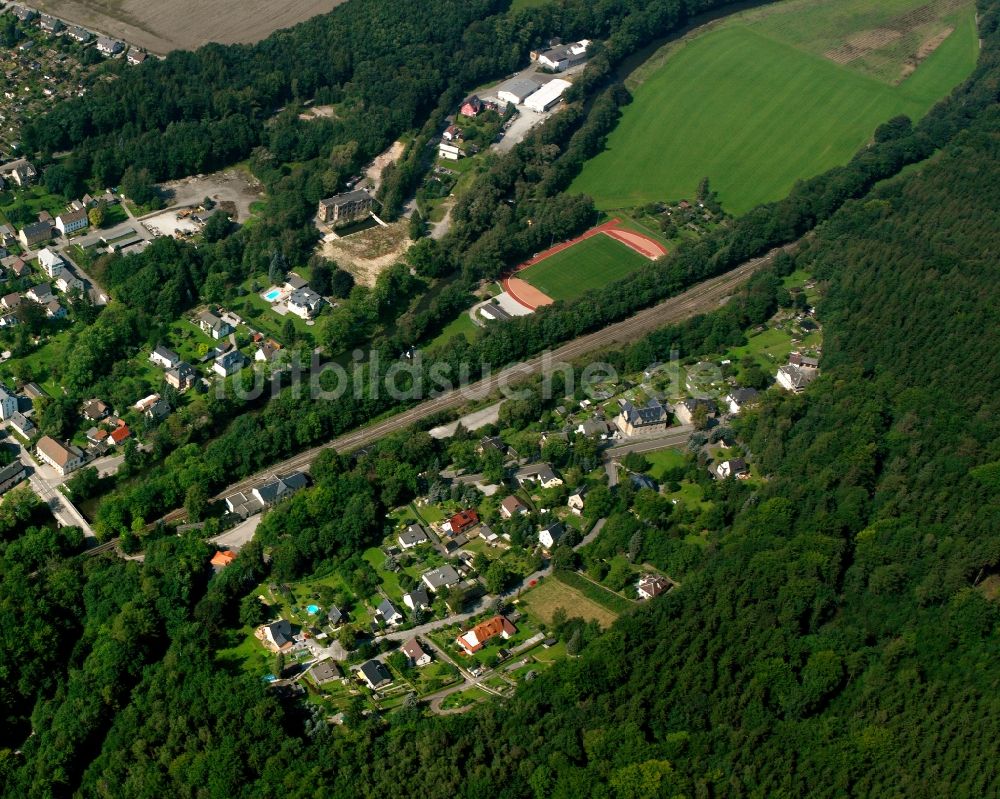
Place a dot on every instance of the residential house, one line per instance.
(50, 24)
(50, 262)
(158, 411)
(461, 521)
(9, 320)
(345, 209)
(19, 268)
(20, 172)
(324, 672)
(8, 403)
(643, 481)
(415, 653)
(119, 434)
(81, 35)
(540, 474)
(22, 425)
(146, 403)
(280, 487)
(512, 506)
(804, 361)
(549, 536)
(54, 309)
(650, 419)
(181, 377)
(686, 409)
(737, 467)
(452, 133)
(651, 585)
(213, 326)
(795, 378)
(576, 500)
(276, 636)
(35, 233)
(61, 457)
(96, 435)
(8, 238)
(388, 613)
(450, 152)
(471, 107)
(374, 674)
(96, 409)
(335, 616)
(491, 444)
(304, 303)
(412, 536)
(108, 46)
(517, 90)
(246, 503)
(24, 14)
(229, 363)
(42, 294)
(441, 577)
(596, 428)
(72, 221)
(135, 56)
(10, 475)
(475, 639)
(417, 599)
(295, 281)
(266, 352)
(68, 282)
(222, 558)
(11, 301)
(164, 358)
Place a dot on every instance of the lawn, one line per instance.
(752, 107)
(462, 325)
(591, 264)
(550, 594)
(663, 461)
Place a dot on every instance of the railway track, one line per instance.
(703, 297)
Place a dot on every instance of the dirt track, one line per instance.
(164, 25)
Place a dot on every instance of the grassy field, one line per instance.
(765, 99)
(591, 264)
(543, 600)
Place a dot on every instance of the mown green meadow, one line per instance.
(755, 104)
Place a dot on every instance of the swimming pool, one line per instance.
(313, 609)
(272, 295)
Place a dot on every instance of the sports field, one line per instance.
(775, 95)
(589, 264)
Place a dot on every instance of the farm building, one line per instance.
(516, 91)
(546, 97)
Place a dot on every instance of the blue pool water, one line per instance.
(272, 295)
(313, 609)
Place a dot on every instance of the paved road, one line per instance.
(239, 536)
(45, 483)
(675, 437)
(472, 421)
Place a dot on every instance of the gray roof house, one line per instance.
(389, 614)
(642, 420)
(334, 615)
(441, 577)
(412, 536)
(375, 674)
(417, 599)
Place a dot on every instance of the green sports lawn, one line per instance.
(589, 264)
(754, 113)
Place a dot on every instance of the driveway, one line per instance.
(239, 536)
(45, 482)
